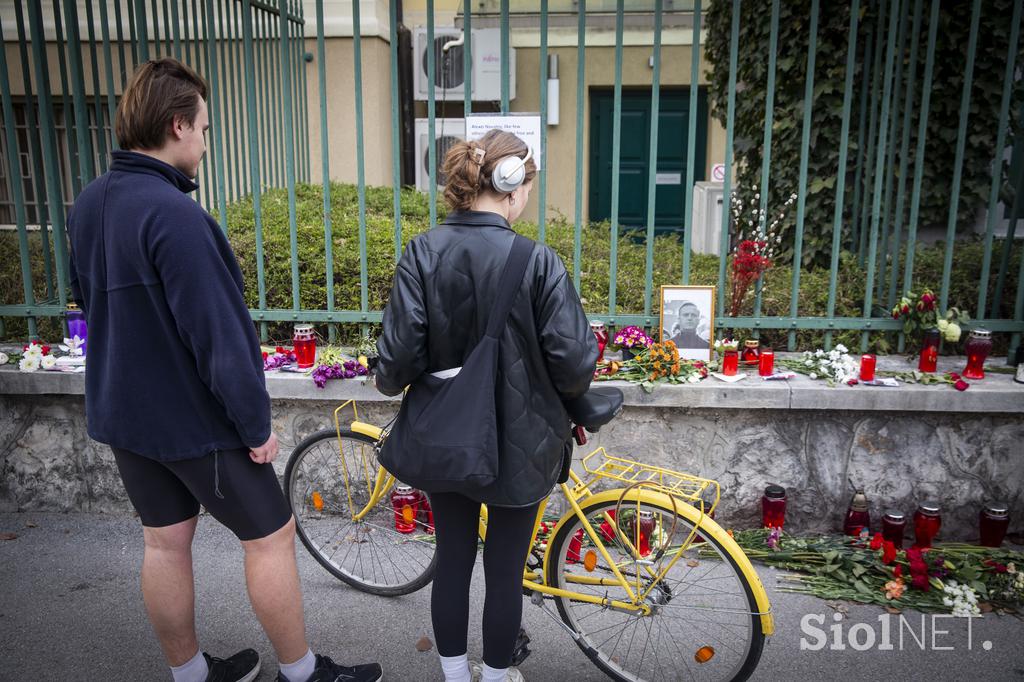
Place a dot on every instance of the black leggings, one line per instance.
(456, 520)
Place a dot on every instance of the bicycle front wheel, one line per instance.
(329, 481)
(702, 621)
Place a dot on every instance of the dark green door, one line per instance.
(670, 199)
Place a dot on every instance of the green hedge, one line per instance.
(596, 246)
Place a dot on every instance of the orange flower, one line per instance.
(894, 589)
(675, 368)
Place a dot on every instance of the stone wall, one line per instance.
(961, 459)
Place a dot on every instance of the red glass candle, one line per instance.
(867, 367)
(730, 362)
(601, 334)
(751, 351)
(893, 525)
(929, 351)
(575, 547)
(979, 345)
(993, 521)
(858, 517)
(426, 514)
(405, 503)
(927, 521)
(773, 506)
(305, 346)
(766, 363)
(645, 530)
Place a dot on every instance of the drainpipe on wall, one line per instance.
(407, 117)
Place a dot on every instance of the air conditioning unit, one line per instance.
(447, 131)
(449, 75)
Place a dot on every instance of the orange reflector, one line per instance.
(704, 654)
(318, 501)
(408, 514)
(590, 560)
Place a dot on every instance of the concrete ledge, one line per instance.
(996, 394)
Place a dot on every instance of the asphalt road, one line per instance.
(70, 609)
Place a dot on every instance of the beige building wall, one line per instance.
(560, 157)
(341, 110)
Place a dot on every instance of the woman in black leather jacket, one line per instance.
(445, 286)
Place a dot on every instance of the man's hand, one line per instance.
(265, 453)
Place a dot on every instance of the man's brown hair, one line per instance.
(160, 91)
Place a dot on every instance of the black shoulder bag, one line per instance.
(445, 438)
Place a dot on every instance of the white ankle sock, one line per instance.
(455, 668)
(301, 670)
(194, 670)
(493, 674)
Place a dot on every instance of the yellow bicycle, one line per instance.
(643, 579)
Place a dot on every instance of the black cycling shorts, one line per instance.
(241, 494)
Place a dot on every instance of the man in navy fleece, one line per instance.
(175, 380)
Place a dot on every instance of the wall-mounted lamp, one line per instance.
(552, 89)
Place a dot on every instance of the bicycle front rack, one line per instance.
(700, 492)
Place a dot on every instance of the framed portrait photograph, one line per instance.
(688, 320)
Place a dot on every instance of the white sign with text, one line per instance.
(524, 126)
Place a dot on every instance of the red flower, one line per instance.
(920, 582)
(264, 355)
(961, 385)
(995, 566)
(888, 552)
(46, 350)
(953, 376)
(279, 349)
(897, 571)
(876, 542)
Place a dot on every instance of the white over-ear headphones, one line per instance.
(510, 172)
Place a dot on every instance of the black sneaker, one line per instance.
(242, 667)
(327, 670)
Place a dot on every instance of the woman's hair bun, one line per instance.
(468, 166)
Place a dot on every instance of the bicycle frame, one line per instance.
(686, 504)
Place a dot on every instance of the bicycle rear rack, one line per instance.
(703, 493)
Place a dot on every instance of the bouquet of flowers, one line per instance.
(278, 359)
(722, 345)
(835, 367)
(631, 337)
(35, 356)
(331, 363)
(755, 245)
(956, 578)
(660, 362)
(919, 313)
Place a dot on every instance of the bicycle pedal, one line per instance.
(521, 651)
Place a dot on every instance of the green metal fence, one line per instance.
(70, 68)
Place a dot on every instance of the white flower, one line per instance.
(48, 362)
(34, 350)
(72, 346)
(4, 359)
(813, 375)
(819, 353)
(841, 348)
(28, 363)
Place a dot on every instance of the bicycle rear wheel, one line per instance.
(703, 621)
(368, 554)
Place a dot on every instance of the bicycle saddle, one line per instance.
(595, 408)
